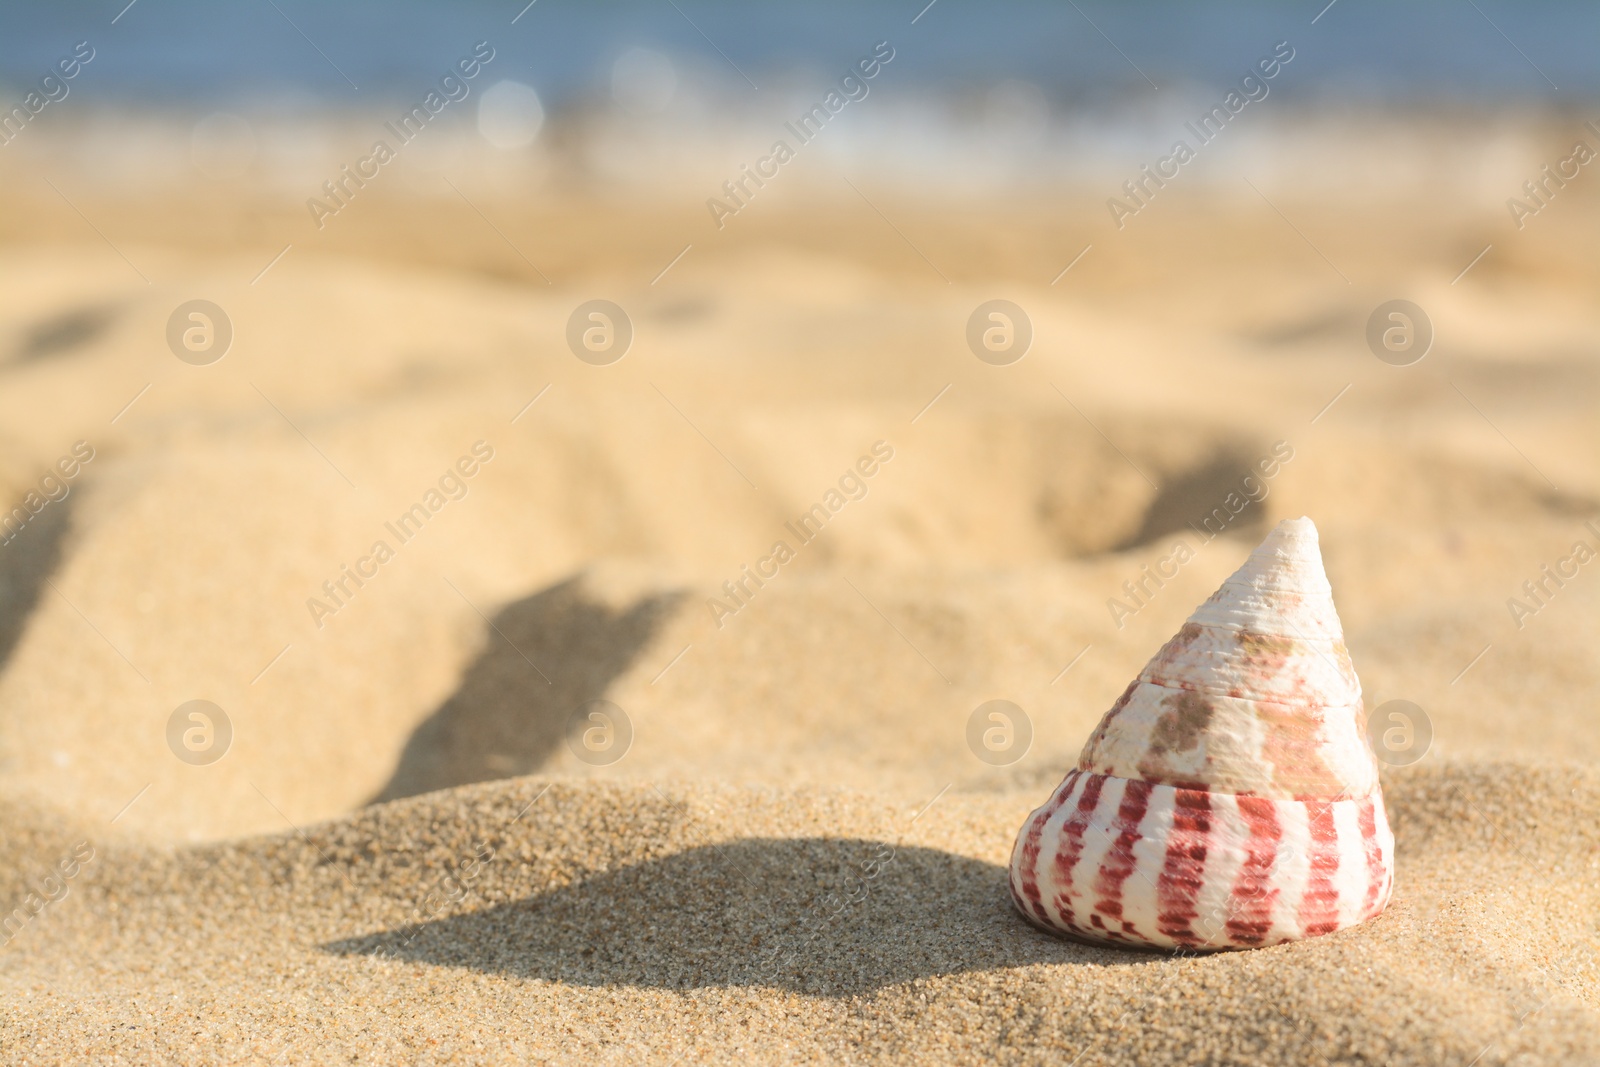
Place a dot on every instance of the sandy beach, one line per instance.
(407, 853)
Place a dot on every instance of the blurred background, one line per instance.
(361, 338)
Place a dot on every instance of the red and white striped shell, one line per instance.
(1229, 798)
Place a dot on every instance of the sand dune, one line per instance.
(609, 922)
(748, 881)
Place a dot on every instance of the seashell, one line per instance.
(1230, 798)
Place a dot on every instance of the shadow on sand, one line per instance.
(546, 655)
(1187, 499)
(64, 333)
(821, 916)
(27, 561)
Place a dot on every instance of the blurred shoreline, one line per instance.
(608, 194)
(1010, 144)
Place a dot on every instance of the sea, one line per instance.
(1017, 90)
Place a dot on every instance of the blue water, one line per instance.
(191, 53)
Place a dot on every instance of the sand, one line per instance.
(720, 924)
(798, 858)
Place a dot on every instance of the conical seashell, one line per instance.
(1229, 798)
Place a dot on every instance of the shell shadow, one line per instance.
(819, 916)
(546, 654)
